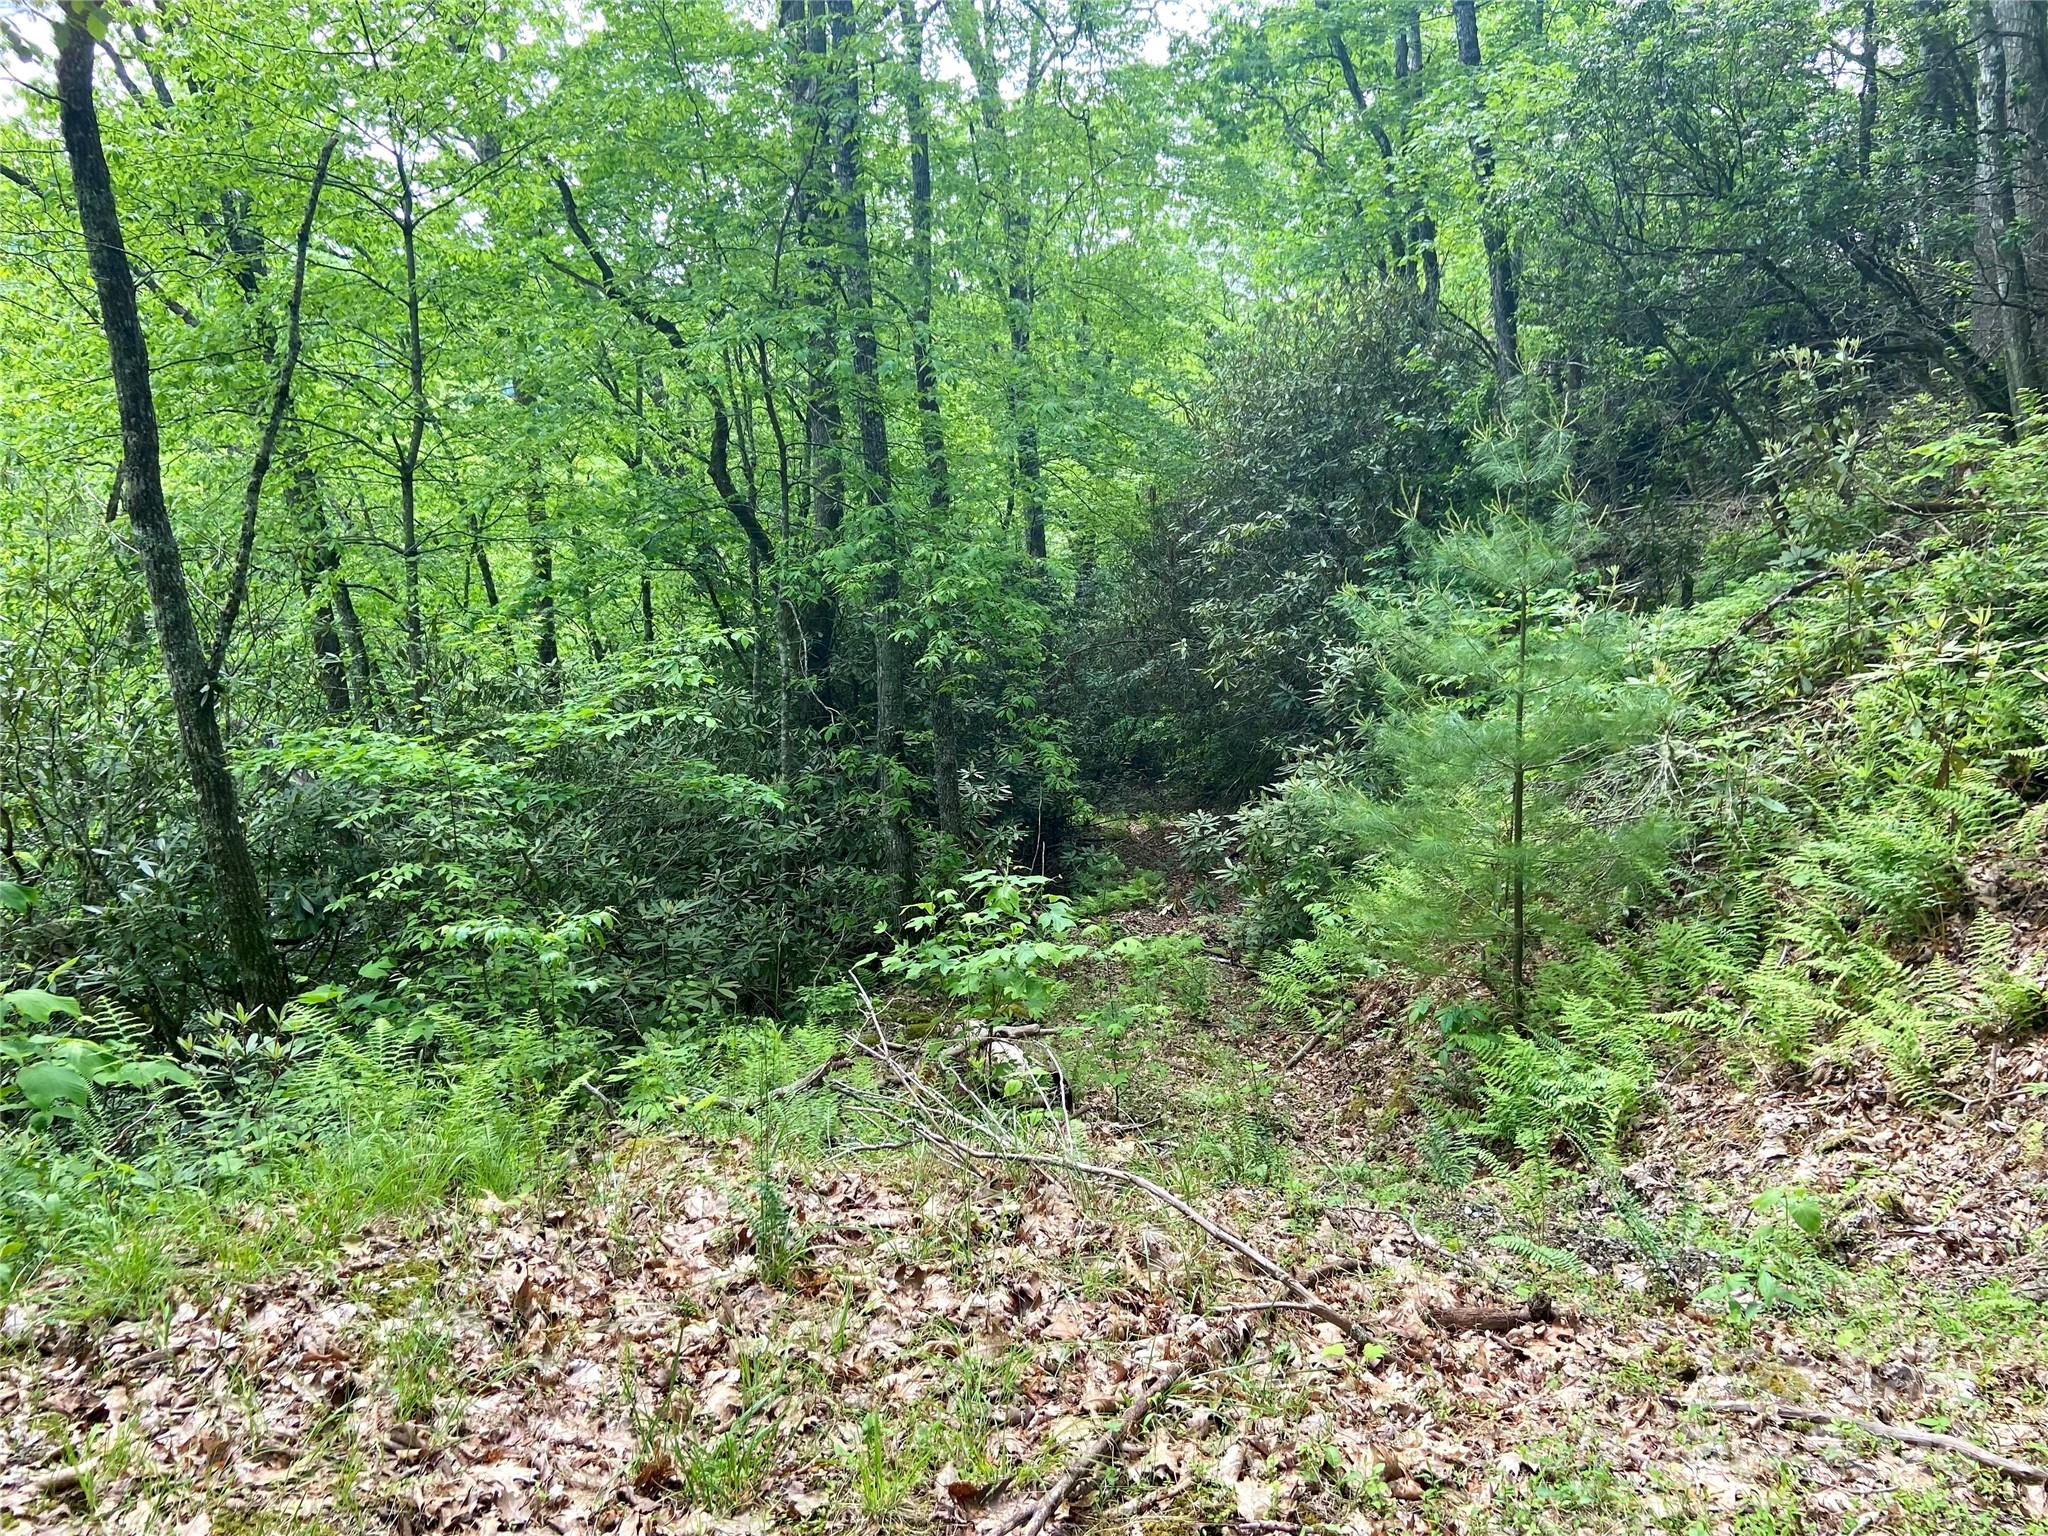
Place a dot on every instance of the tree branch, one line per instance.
(266, 445)
(1822, 1418)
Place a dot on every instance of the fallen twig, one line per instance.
(1465, 1263)
(1264, 1263)
(1828, 1418)
(840, 1058)
(814, 1077)
(1480, 1319)
(1033, 1518)
(964, 1151)
(61, 1483)
(1270, 1304)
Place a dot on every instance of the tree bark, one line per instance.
(2025, 47)
(547, 653)
(1422, 227)
(1866, 90)
(2003, 311)
(412, 617)
(273, 425)
(317, 563)
(944, 716)
(917, 115)
(857, 283)
(803, 22)
(1503, 296)
(261, 978)
(1397, 244)
(945, 721)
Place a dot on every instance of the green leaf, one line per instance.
(1806, 1215)
(13, 897)
(48, 1084)
(36, 1005)
(140, 1074)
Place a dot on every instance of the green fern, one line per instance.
(1301, 986)
(1537, 1255)
(1451, 1154)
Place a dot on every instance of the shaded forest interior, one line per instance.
(1358, 606)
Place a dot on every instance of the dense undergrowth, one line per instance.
(1565, 847)
(1354, 615)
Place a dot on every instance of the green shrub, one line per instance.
(995, 941)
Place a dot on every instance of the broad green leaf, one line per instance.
(47, 1084)
(38, 1006)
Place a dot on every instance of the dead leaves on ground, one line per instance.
(585, 1361)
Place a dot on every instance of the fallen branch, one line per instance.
(963, 1151)
(812, 1078)
(60, 1484)
(1033, 1518)
(1825, 1418)
(1464, 1263)
(990, 1037)
(838, 1059)
(1272, 1268)
(1480, 1319)
(1270, 1304)
(1710, 656)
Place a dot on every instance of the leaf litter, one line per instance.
(609, 1357)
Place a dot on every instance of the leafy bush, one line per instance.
(994, 941)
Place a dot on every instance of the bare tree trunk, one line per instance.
(931, 428)
(262, 981)
(945, 719)
(328, 669)
(547, 654)
(316, 561)
(856, 281)
(1945, 95)
(804, 22)
(408, 458)
(480, 547)
(1503, 296)
(788, 638)
(362, 671)
(322, 556)
(1397, 243)
(1018, 288)
(2003, 309)
(1518, 887)
(944, 716)
(2025, 47)
(1407, 74)
(1866, 90)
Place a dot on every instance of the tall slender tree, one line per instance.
(245, 923)
(1503, 297)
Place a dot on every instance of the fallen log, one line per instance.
(1537, 1309)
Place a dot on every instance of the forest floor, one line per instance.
(931, 1346)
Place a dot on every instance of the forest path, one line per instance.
(747, 1325)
